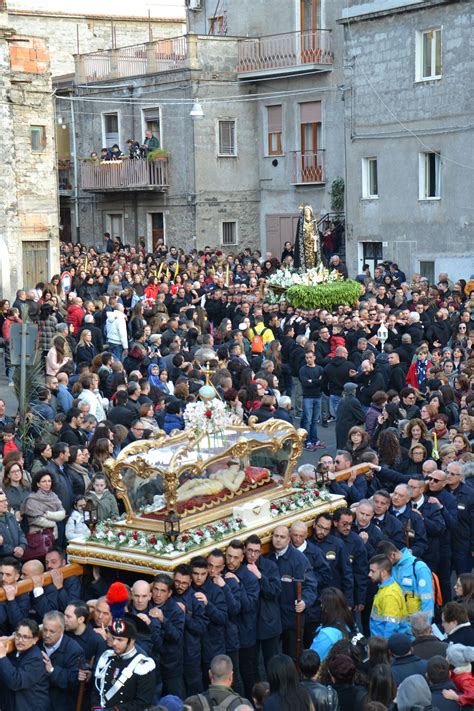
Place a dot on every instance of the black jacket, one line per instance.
(349, 414)
(12, 535)
(72, 436)
(336, 375)
(63, 681)
(24, 682)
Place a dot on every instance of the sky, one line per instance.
(158, 8)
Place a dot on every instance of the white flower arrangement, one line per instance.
(317, 275)
(207, 417)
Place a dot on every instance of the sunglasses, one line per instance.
(432, 478)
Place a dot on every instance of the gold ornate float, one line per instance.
(185, 493)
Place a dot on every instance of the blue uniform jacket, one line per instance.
(63, 681)
(12, 612)
(92, 644)
(417, 535)
(360, 564)
(213, 641)
(341, 571)
(195, 626)
(293, 564)
(24, 682)
(171, 661)
(231, 592)
(392, 529)
(152, 645)
(375, 536)
(247, 618)
(463, 534)
(435, 530)
(268, 615)
(54, 599)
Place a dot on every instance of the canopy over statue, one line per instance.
(307, 243)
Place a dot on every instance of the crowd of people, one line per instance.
(382, 590)
(134, 150)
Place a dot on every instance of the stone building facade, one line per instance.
(71, 29)
(29, 230)
(409, 105)
(280, 110)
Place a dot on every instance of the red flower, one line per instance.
(199, 532)
(120, 533)
(316, 492)
(135, 536)
(238, 520)
(208, 413)
(184, 538)
(152, 540)
(273, 506)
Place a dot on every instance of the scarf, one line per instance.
(37, 503)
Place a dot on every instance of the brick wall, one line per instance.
(29, 54)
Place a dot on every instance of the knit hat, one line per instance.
(399, 644)
(413, 691)
(458, 655)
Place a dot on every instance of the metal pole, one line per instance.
(76, 173)
(23, 371)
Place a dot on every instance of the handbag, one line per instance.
(39, 543)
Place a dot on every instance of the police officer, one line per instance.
(463, 534)
(124, 675)
(336, 555)
(390, 526)
(432, 518)
(342, 523)
(414, 527)
(268, 612)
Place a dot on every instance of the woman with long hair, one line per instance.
(358, 443)
(377, 649)
(382, 685)
(77, 470)
(461, 445)
(58, 355)
(336, 621)
(464, 592)
(391, 454)
(417, 433)
(224, 331)
(286, 692)
(103, 450)
(85, 349)
(16, 487)
(42, 508)
(41, 455)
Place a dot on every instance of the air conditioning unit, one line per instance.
(195, 4)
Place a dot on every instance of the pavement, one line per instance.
(327, 435)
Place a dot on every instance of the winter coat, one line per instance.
(24, 681)
(12, 535)
(106, 505)
(75, 314)
(349, 414)
(47, 331)
(116, 329)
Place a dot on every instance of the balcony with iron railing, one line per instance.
(162, 55)
(308, 168)
(124, 175)
(285, 53)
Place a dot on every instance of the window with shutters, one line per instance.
(274, 130)
(428, 55)
(227, 138)
(229, 233)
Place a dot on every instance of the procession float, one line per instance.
(187, 492)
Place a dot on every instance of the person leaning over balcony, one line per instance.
(133, 149)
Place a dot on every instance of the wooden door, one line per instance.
(157, 230)
(280, 229)
(310, 22)
(35, 263)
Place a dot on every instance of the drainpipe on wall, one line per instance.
(76, 176)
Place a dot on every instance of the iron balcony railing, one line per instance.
(148, 58)
(291, 49)
(308, 167)
(124, 175)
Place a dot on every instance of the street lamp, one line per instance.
(172, 525)
(196, 112)
(382, 334)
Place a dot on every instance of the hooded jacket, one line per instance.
(116, 329)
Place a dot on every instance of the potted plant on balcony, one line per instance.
(159, 154)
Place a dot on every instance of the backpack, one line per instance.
(223, 706)
(437, 594)
(258, 346)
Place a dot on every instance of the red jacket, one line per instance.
(465, 685)
(7, 324)
(75, 314)
(412, 378)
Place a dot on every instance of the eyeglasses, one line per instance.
(22, 637)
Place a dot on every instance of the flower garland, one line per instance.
(303, 499)
(317, 275)
(158, 543)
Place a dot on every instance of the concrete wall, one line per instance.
(28, 186)
(95, 33)
(383, 108)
